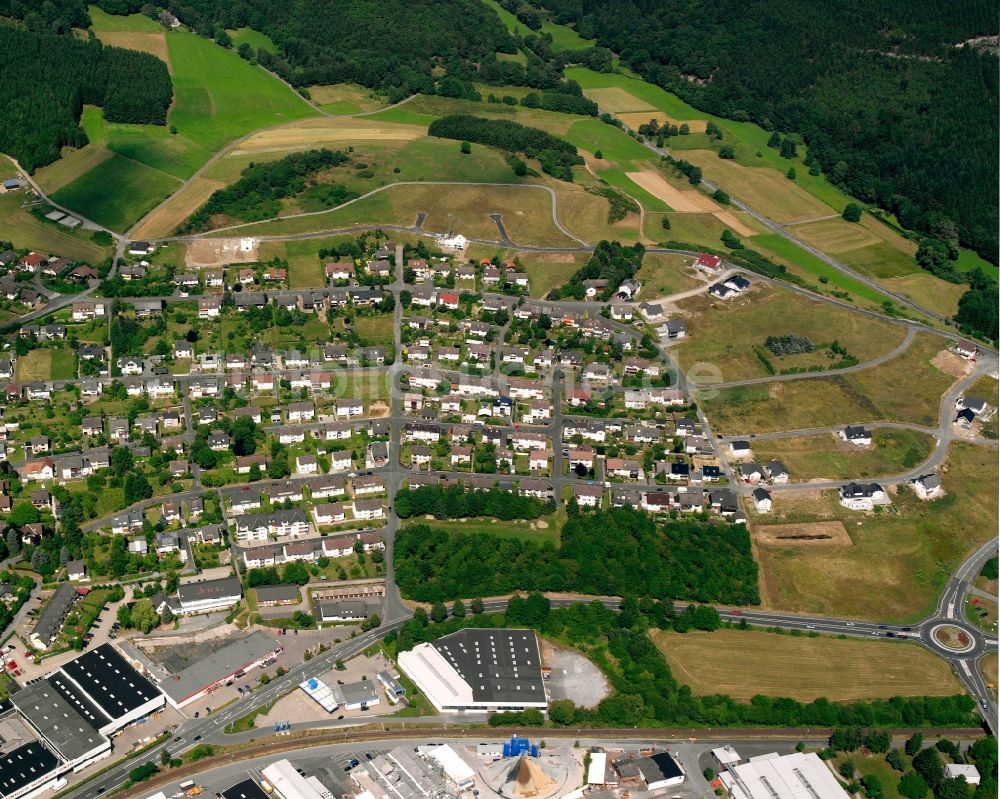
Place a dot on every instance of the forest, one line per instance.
(47, 79)
(454, 502)
(556, 156)
(613, 552)
(646, 694)
(894, 111)
(261, 187)
(611, 261)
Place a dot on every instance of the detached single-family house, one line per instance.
(927, 486)
(857, 435)
(862, 496)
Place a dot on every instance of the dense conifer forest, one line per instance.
(48, 78)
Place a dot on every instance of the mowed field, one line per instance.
(906, 389)
(345, 98)
(763, 189)
(899, 560)
(928, 291)
(526, 212)
(305, 270)
(46, 364)
(728, 333)
(24, 230)
(826, 457)
(869, 246)
(667, 273)
(312, 133)
(743, 664)
(218, 97)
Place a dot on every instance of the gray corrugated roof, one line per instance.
(219, 665)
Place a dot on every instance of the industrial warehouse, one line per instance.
(479, 670)
(64, 722)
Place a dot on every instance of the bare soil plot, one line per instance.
(165, 219)
(636, 118)
(615, 100)
(692, 202)
(310, 133)
(831, 533)
(901, 557)
(153, 43)
(764, 189)
(743, 664)
(219, 252)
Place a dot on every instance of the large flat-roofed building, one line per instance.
(478, 670)
(28, 770)
(62, 726)
(104, 686)
(199, 678)
(783, 777)
(209, 595)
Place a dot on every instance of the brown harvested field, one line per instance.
(929, 291)
(70, 166)
(309, 133)
(219, 252)
(810, 534)
(734, 223)
(900, 559)
(730, 333)
(690, 201)
(637, 118)
(744, 663)
(616, 101)
(153, 43)
(763, 189)
(165, 219)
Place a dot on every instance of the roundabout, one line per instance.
(953, 639)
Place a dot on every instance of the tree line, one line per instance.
(47, 79)
(611, 261)
(645, 691)
(261, 187)
(454, 502)
(614, 552)
(556, 156)
(892, 109)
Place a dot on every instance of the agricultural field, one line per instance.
(563, 36)
(46, 364)
(868, 246)
(827, 457)
(906, 389)
(928, 291)
(900, 558)
(744, 663)
(345, 98)
(732, 333)
(211, 87)
(19, 226)
(748, 140)
(256, 39)
(117, 192)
